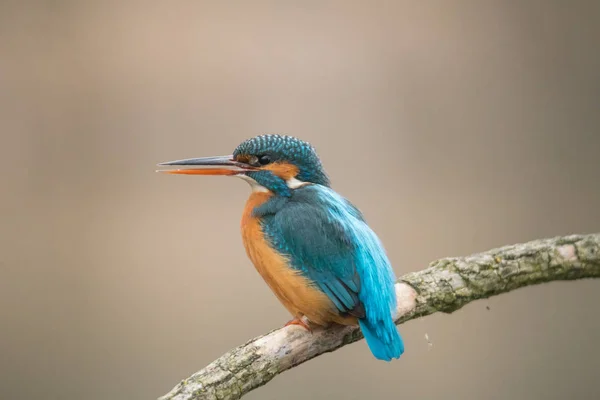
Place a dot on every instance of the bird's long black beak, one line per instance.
(221, 165)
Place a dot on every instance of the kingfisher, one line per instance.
(312, 247)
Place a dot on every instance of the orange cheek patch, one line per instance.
(283, 170)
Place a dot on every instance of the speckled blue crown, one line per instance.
(287, 149)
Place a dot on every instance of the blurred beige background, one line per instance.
(456, 126)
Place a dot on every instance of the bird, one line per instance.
(311, 246)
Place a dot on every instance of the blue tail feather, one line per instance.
(383, 339)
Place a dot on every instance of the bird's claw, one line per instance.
(303, 322)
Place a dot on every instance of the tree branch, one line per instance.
(447, 285)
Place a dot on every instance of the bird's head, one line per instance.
(268, 162)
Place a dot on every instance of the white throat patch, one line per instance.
(292, 183)
(253, 184)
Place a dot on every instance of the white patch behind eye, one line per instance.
(294, 183)
(253, 184)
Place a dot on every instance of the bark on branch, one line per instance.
(447, 285)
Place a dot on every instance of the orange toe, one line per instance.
(300, 322)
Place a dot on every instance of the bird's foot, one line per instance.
(302, 321)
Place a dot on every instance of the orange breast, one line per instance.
(293, 290)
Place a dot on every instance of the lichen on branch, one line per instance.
(447, 285)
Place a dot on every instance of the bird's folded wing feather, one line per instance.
(321, 248)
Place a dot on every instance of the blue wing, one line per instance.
(328, 240)
(319, 247)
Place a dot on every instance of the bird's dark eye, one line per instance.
(264, 160)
